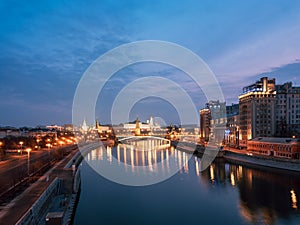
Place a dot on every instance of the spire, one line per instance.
(84, 127)
(97, 124)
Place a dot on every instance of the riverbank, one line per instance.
(262, 161)
(56, 191)
(240, 157)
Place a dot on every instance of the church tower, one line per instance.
(84, 127)
(137, 127)
(97, 125)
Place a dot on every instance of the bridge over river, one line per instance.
(145, 143)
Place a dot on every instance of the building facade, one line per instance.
(287, 110)
(221, 121)
(217, 121)
(232, 125)
(204, 124)
(288, 148)
(257, 110)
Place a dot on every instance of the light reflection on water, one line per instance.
(155, 161)
(222, 194)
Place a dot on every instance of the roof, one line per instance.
(276, 140)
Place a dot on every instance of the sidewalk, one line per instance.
(12, 212)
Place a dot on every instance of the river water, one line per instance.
(224, 193)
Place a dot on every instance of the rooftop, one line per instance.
(276, 140)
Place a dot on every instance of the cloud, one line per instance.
(273, 49)
(47, 46)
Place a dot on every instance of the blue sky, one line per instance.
(47, 45)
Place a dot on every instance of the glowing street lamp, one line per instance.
(38, 141)
(28, 150)
(21, 143)
(48, 145)
(1, 143)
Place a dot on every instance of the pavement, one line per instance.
(12, 212)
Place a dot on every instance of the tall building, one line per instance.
(217, 121)
(205, 124)
(257, 110)
(213, 122)
(232, 125)
(287, 110)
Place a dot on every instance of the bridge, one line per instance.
(145, 142)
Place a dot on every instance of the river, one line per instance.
(224, 193)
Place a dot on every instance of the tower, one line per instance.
(137, 127)
(84, 126)
(97, 125)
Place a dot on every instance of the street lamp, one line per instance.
(48, 145)
(1, 143)
(28, 150)
(21, 143)
(38, 143)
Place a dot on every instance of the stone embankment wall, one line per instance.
(285, 164)
(68, 182)
(32, 216)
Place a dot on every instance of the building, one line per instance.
(232, 125)
(257, 110)
(84, 126)
(205, 124)
(102, 128)
(287, 110)
(148, 126)
(221, 121)
(217, 120)
(288, 148)
(68, 127)
(9, 131)
(55, 127)
(137, 131)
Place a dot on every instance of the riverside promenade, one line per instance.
(241, 157)
(21, 205)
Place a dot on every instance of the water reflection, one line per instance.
(129, 157)
(263, 197)
(294, 199)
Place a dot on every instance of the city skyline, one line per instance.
(47, 46)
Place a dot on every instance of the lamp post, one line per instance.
(21, 143)
(38, 143)
(28, 150)
(48, 145)
(1, 143)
